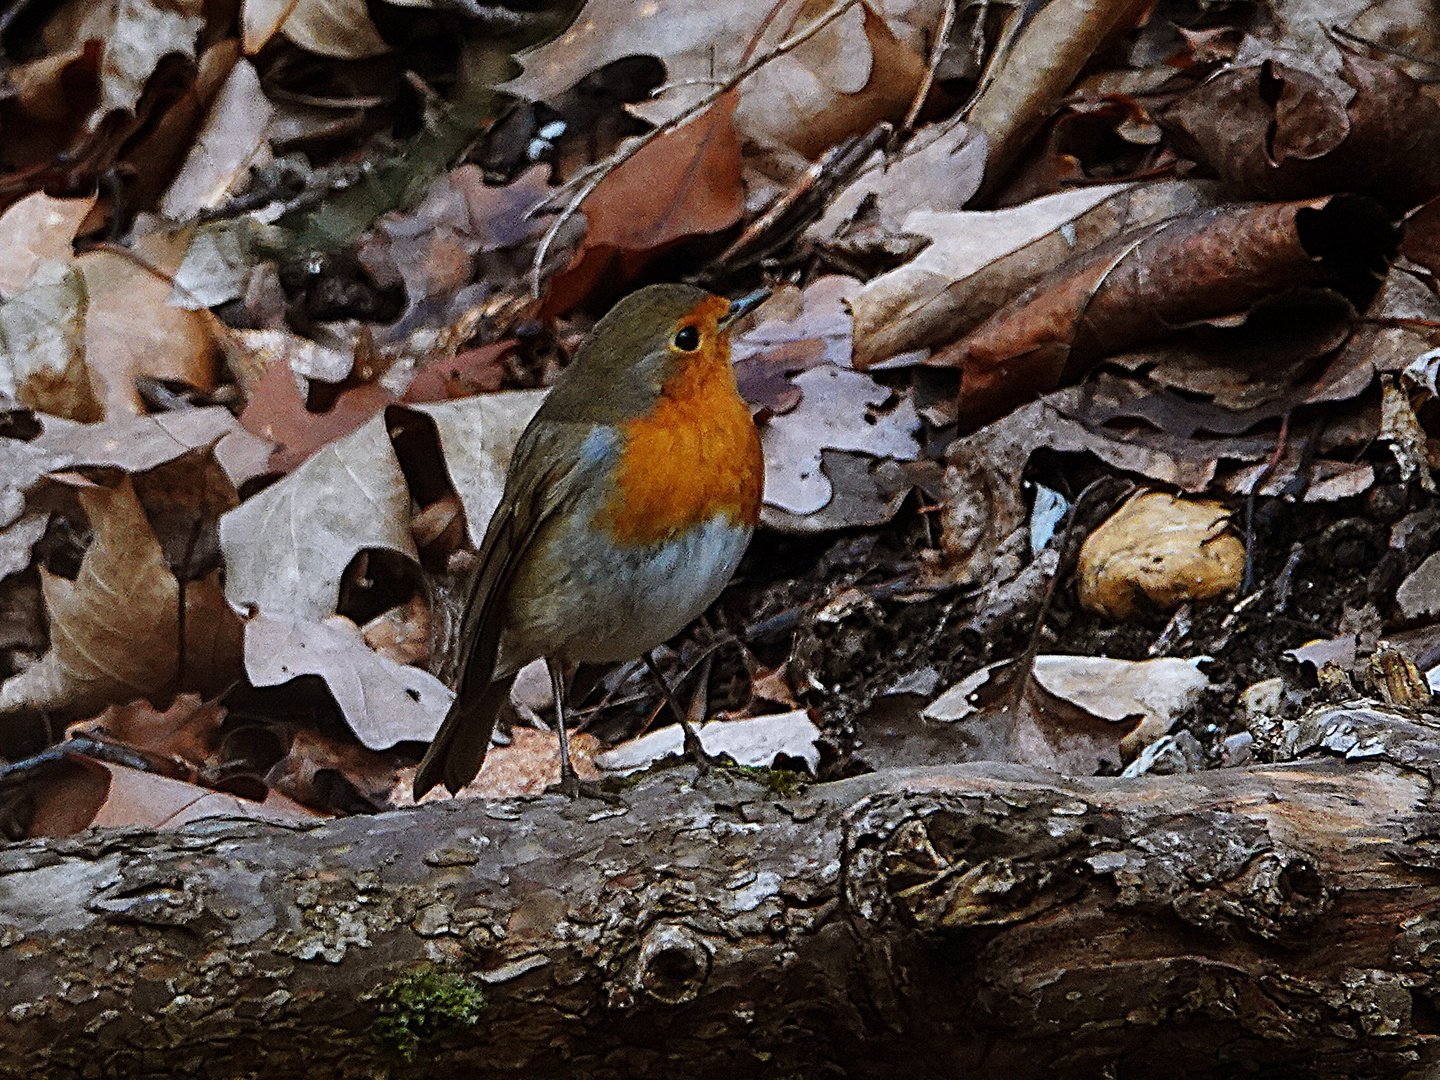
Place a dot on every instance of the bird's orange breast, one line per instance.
(694, 456)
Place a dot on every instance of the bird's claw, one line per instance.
(572, 787)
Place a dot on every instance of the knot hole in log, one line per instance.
(674, 964)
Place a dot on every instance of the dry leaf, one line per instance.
(842, 82)
(232, 137)
(477, 437)
(1273, 132)
(701, 44)
(310, 770)
(135, 35)
(135, 443)
(16, 541)
(1080, 714)
(978, 260)
(401, 634)
(757, 741)
(42, 345)
(1144, 284)
(336, 28)
(529, 765)
(186, 732)
(115, 629)
(34, 230)
(939, 170)
(684, 183)
(1055, 44)
(102, 795)
(287, 547)
(131, 330)
(276, 412)
(841, 410)
(383, 702)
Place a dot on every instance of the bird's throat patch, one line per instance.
(695, 456)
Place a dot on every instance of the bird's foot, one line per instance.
(695, 752)
(572, 787)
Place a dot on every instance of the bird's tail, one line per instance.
(458, 751)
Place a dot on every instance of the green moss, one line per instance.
(422, 1005)
(783, 782)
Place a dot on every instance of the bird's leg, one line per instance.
(559, 686)
(694, 751)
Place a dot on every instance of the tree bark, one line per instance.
(958, 921)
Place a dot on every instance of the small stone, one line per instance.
(1167, 756)
(1264, 698)
(1237, 749)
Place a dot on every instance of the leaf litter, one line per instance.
(1098, 244)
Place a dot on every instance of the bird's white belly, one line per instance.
(622, 602)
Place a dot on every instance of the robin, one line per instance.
(628, 503)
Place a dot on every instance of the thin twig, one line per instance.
(1281, 441)
(937, 50)
(625, 153)
(802, 202)
(1091, 506)
(1335, 31)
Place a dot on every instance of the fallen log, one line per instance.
(966, 920)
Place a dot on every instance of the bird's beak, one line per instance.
(743, 306)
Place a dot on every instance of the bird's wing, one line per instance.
(554, 468)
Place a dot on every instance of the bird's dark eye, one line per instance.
(687, 338)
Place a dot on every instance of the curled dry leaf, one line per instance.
(477, 437)
(115, 629)
(1400, 427)
(1272, 132)
(287, 547)
(96, 793)
(1157, 552)
(1055, 44)
(1079, 714)
(979, 259)
(1142, 285)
